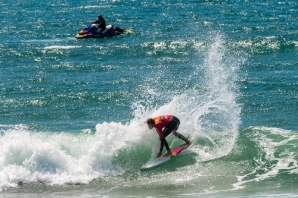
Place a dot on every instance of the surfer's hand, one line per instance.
(158, 155)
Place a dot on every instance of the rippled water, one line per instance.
(72, 111)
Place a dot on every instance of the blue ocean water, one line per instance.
(72, 111)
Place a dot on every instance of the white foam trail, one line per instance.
(61, 47)
(61, 158)
(57, 158)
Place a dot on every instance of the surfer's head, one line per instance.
(150, 122)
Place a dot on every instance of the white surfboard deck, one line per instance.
(156, 163)
(162, 160)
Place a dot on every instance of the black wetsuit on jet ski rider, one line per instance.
(101, 23)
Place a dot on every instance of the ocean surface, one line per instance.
(72, 111)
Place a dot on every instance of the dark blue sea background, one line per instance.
(73, 110)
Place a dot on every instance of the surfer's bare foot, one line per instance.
(188, 142)
(169, 153)
(158, 155)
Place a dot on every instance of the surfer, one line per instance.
(101, 22)
(170, 124)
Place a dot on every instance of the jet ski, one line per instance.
(92, 31)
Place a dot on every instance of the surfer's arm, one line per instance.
(159, 131)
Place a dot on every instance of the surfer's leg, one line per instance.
(175, 133)
(172, 126)
(169, 128)
(165, 143)
(178, 135)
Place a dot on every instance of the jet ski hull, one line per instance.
(92, 32)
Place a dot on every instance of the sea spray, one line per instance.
(208, 109)
(217, 114)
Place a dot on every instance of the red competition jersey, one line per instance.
(160, 123)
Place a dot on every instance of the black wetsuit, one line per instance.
(172, 126)
(101, 23)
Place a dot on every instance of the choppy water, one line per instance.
(72, 111)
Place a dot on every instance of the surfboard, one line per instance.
(162, 160)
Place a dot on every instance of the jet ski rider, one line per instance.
(101, 23)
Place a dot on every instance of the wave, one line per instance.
(267, 154)
(227, 158)
(207, 108)
(264, 45)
